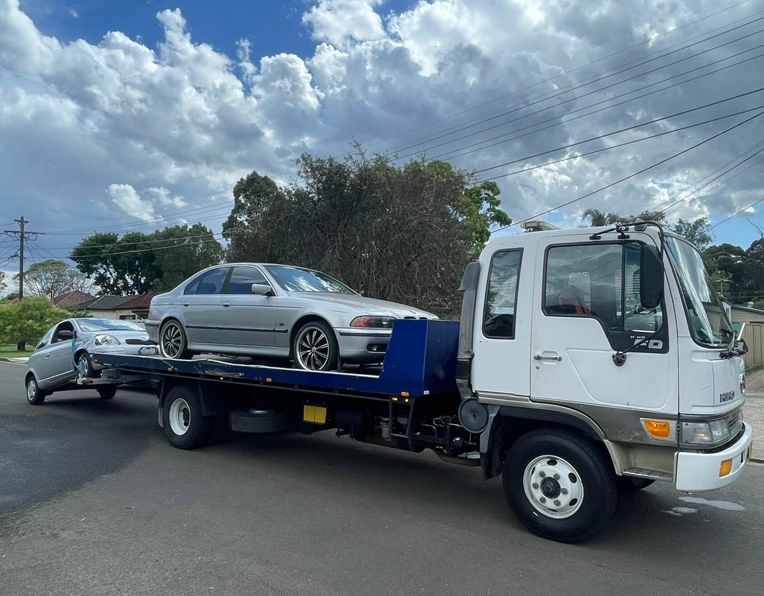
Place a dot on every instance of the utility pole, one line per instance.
(22, 234)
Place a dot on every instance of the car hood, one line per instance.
(361, 305)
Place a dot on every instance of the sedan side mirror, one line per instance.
(262, 290)
(65, 334)
(650, 277)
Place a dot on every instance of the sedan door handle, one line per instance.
(226, 304)
(185, 304)
(548, 356)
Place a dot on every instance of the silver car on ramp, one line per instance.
(260, 309)
(64, 352)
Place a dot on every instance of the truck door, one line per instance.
(503, 325)
(586, 308)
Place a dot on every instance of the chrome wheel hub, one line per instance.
(313, 349)
(553, 486)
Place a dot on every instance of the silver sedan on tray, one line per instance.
(278, 311)
(64, 352)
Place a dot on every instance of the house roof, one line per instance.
(758, 311)
(72, 298)
(141, 302)
(105, 303)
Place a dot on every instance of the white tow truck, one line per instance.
(586, 360)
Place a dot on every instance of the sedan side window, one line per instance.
(212, 282)
(242, 279)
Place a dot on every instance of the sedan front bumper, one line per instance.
(359, 345)
(130, 350)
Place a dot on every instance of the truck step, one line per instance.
(648, 474)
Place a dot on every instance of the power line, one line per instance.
(656, 164)
(752, 205)
(23, 235)
(587, 82)
(728, 170)
(629, 128)
(559, 122)
(140, 250)
(625, 143)
(569, 71)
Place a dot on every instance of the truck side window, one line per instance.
(501, 297)
(598, 280)
(584, 280)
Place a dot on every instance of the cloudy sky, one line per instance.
(138, 114)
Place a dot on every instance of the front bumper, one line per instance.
(363, 344)
(130, 350)
(696, 472)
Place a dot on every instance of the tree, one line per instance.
(397, 233)
(28, 320)
(138, 262)
(181, 251)
(3, 285)
(9, 297)
(52, 278)
(698, 232)
(600, 218)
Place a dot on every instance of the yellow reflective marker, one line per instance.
(314, 414)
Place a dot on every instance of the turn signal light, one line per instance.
(660, 429)
(725, 468)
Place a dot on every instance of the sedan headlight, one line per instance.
(106, 340)
(705, 433)
(369, 321)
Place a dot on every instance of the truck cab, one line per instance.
(611, 334)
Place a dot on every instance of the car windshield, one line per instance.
(705, 313)
(294, 279)
(95, 325)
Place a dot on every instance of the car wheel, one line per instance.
(35, 395)
(560, 485)
(107, 392)
(84, 365)
(315, 347)
(172, 340)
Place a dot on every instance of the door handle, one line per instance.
(185, 304)
(226, 304)
(548, 356)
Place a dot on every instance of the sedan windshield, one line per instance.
(96, 325)
(705, 313)
(294, 279)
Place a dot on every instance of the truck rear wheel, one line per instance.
(184, 424)
(560, 485)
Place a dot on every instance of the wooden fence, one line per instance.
(753, 335)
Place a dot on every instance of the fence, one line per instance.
(753, 335)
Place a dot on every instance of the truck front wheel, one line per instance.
(559, 484)
(184, 424)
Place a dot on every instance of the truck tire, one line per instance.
(559, 484)
(184, 425)
(35, 395)
(260, 421)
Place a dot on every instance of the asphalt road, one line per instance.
(93, 500)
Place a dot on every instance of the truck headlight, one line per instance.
(106, 340)
(705, 433)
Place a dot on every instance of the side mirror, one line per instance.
(262, 290)
(650, 277)
(65, 334)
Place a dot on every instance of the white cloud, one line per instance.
(129, 201)
(181, 121)
(341, 22)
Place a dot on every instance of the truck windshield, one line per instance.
(705, 314)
